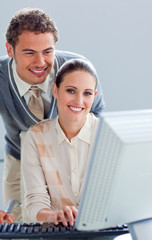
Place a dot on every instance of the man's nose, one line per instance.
(39, 60)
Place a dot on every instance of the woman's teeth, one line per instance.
(76, 109)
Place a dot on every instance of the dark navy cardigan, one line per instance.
(14, 111)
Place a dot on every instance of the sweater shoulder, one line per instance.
(63, 56)
(4, 60)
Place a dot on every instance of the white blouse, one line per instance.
(53, 167)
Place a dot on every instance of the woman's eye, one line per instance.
(87, 93)
(70, 91)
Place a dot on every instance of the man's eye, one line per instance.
(29, 53)
(70, 91)
(48, 52)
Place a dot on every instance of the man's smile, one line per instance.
(38, 72)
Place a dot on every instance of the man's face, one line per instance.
(33, 55)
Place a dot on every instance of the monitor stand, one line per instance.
(141, 230)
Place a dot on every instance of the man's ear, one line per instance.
(54, 90)
(10, 50)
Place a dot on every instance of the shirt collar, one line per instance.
(84, 134)
(23, 86)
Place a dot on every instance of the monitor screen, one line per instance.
(117, 187)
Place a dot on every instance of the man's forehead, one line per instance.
(36, 41)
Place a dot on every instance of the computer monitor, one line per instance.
(118, 184)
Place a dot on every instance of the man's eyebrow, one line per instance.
(28, 50)
(47, 49)
(31, 50)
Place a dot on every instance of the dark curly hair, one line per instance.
(32, 20)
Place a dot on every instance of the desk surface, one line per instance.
(126, 236)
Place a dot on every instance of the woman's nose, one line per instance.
(80, 99)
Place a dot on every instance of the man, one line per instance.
(4, 216)
(33, 61)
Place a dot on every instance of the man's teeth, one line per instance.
(37, 71)
(76, 109)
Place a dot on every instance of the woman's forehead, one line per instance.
(81, 76)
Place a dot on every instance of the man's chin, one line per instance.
(38, 79)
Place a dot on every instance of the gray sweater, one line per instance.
(14, 111)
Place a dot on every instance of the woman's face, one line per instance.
(75, 96)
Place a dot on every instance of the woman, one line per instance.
(56, 151)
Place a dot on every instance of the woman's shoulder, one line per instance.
(43, 126)
(93, 119)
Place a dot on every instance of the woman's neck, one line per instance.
(71, 129)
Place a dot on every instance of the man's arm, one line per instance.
(6, 217)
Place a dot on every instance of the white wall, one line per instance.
(116, 35)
